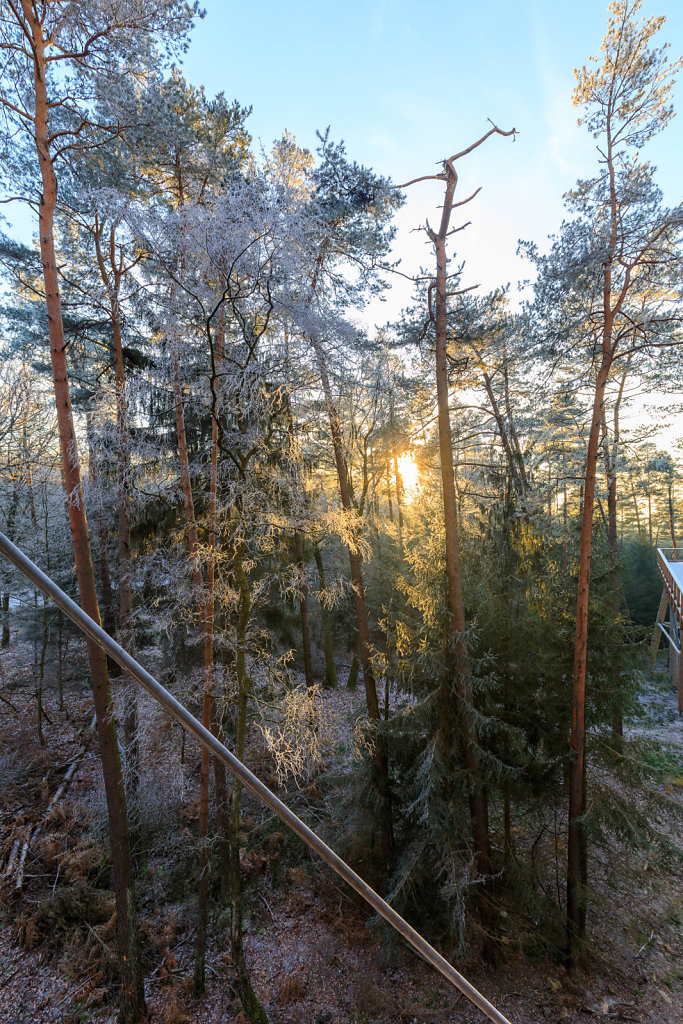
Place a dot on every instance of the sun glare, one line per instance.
(410, 478)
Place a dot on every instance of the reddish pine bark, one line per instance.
(576, 899)
(132, 994)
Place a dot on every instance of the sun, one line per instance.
(410, 477)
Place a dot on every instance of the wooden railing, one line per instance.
(665, 556)
(673, 630)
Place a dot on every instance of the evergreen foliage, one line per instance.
(265, 478)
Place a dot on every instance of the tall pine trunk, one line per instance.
(380, 759)
(330, 666)
(111, 278)
(105, 574)
(298, 540)
(252, 1007)
(132, 991)
(208, 715)
(576, 844)
(207, 631)
(5, 619)
(303, 610)
(127, 632)
(9, 528)
(299, 550)
(611, 476)
(460, 672)
(477, 790)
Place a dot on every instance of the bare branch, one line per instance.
(425, 177)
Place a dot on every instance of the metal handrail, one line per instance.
(14, 555)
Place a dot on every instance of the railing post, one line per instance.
(661, 612)
(674, 596)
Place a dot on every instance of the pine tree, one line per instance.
(620, 242)
(102, 42)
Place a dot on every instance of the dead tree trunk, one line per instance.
(477, 789)
(438, 313)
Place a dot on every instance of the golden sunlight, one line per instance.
(410, 478)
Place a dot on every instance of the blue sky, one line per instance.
(405, 86)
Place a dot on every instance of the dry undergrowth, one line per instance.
(291, 990)
(308, 944)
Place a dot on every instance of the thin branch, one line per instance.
(425, 177)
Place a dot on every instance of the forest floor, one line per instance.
(315, 955)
